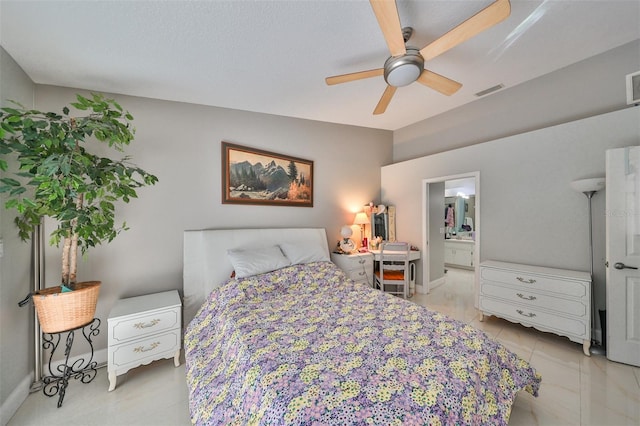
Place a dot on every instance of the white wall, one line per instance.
(529, 212)
(590, 87)
(16, 324)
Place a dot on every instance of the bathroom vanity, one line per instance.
(458, 253)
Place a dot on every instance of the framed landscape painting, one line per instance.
(254, 176)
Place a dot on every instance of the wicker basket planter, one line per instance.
(59, 311)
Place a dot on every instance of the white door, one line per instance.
(623, 255)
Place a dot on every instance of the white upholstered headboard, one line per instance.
(205, 262)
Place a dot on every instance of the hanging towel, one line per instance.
(450, 217)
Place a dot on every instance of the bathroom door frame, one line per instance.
(426, 271)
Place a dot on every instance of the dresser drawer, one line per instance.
(536, 283)
(534, 300)
(151, 347)
(527, 315)
(143, 325)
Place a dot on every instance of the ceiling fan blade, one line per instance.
(486, 18)
(386, 12)
(345, 78)
(384, 100)
(442, 84)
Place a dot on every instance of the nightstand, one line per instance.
(358, 266)
(143, 329)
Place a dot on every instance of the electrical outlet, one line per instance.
(1, 247)
(442, 230)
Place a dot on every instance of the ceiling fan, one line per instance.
(406, 63)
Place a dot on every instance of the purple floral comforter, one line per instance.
(306, 345)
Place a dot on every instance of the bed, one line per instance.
(303, 344)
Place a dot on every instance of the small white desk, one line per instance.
(413, 255)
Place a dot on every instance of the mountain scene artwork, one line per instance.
(252, 176)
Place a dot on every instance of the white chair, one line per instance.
(392, 275)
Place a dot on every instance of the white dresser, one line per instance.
(549, 299)
(143, 329)
(358, 267)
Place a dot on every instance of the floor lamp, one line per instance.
(589, 187)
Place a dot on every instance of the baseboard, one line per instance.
(435, 283)
(15, 399)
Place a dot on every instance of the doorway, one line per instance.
(434, 228)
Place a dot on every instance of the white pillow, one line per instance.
(247, 262)
(304, 253)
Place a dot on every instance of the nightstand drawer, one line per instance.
(136, 351)
(359, 275)
(144, 325)
(358, 267)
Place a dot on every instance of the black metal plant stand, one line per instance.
(84, 370)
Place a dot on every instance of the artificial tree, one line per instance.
(58, 176)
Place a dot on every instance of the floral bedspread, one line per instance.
(306, 345)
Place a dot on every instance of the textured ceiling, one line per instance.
(272, 56)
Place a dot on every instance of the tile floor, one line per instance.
(576, 390)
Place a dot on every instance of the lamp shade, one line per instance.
(361, 219)
(588, 185)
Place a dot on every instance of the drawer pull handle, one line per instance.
(523, 280)
(362, 273)
(140, 349)
(521, 296)
(529, 315)
(361, 261)
(142, 325)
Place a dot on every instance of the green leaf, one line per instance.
(7, 128)
(12, 111)
(10, 182)
(17, 191)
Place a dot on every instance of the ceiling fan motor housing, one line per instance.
(403, 70)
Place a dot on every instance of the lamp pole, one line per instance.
(589, 187)
(595, 348)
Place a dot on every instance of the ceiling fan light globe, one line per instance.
(403, 70)
(403, 75)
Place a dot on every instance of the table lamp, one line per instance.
(362, 219)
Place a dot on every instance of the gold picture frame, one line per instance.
(257, 177)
